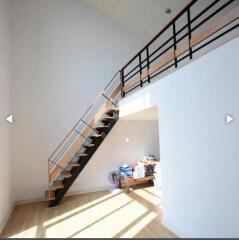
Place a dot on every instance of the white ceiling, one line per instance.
(144, 18)
(150, 114)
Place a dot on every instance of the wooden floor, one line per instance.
(100, 214)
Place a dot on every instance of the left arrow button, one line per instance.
(9, 118)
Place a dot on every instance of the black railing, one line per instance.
(180, 30)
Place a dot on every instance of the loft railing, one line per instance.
(194, 28)
(179, 40)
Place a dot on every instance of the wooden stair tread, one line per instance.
(57, 185)
(66, 174)
(82, 154)
(108, 118)
(113, 110)
(102, 126)
(49, 197)
(73, 164)
(89, 145)
(116, 109)
(96, 136)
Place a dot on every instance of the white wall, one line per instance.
(63, 54)
(199, 152)
(5, 107)
(128, 142)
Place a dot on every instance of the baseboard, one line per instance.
(28, 201)
(174, 230)
(75, 191)
(4, 222)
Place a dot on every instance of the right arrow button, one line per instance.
(229, 118)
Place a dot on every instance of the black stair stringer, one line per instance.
(75, 171)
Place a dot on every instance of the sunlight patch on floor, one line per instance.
(139, 225)
(80, 220)
(156, 191)
(27, 233)
(116, 222)
(79, 209)
(149, 196)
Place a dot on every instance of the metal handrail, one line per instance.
(84, 114)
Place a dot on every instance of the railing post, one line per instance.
(175, 45)
(122, 82)
(140, 69)
(189, 33)
(148, 66)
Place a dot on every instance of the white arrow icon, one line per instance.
(229, 118)
(10, 119)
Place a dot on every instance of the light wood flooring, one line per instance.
(99, 214)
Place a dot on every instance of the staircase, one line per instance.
(219, 19)
(74, 168)
(80, 144)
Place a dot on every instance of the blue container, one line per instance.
(126, 171)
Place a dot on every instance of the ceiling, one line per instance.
(150, 114)
(143, 18)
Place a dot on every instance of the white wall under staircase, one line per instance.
(199, 152)
(128, 142)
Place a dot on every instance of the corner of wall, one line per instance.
(170, 227)
(6, 218)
